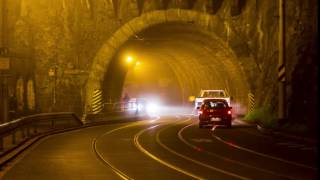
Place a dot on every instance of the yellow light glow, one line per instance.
(191, 98)
(129, 59)
(138, 63)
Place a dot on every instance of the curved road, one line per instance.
(165, 148)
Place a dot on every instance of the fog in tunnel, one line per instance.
(172, 62)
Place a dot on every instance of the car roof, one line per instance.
(212, 90)
(215, 100)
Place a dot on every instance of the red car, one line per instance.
(215, 111)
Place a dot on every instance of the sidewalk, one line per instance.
(286, 134)
(278, 132)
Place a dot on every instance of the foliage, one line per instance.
(267, 119)
(263, 116)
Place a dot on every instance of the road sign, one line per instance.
(4, 63)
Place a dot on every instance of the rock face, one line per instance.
(65, 47)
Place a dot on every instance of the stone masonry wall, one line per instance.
(65, 35)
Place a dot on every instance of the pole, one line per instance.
(1, 99)
(3, 23)
(54, 86)
(4, 109)
(282, 62)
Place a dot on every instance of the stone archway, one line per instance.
(212, 23)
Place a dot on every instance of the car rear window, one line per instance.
(213, 94)
(216, 104)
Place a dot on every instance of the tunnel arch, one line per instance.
(214, 24)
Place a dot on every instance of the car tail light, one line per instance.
(229, 111)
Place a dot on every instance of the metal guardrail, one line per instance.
(27, 127)
(18, 135)
(132, 105)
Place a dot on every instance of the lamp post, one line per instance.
(53, 73)
(131, 65)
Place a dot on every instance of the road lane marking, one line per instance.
(296, 145)
(261, 154)
(33, 144)
(224, 157)
(200, 140)
(104, 161)
(256, 134)
(287, 143)
(308, 149)
(138, 145)
(290, 144)
(195, 161)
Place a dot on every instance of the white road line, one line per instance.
(308, 149)
(199, 140)
(99, 155)
(226, 158)
(286, 143)
(197, 162)
(138, 145)
(106, 162)
(291, 145)
(256, 134)
(263, 155)
(295, 145)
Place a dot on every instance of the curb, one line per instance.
(274, 132)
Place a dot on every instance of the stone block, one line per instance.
(173, 15)
(203, 20)
(137, 24)
(156, 17)
(127, 30)
(188, 16)
(118, 38)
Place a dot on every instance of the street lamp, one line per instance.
(129, 59)
(132, 61)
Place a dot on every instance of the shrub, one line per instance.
(263, 116)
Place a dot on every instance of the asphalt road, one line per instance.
(170, 147)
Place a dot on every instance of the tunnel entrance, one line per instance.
(176, 60)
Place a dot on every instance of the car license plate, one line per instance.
(215, 119)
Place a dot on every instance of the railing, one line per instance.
(117, 112)
(17, 131)
(131, 105)
(19, 134)
(113, 107)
